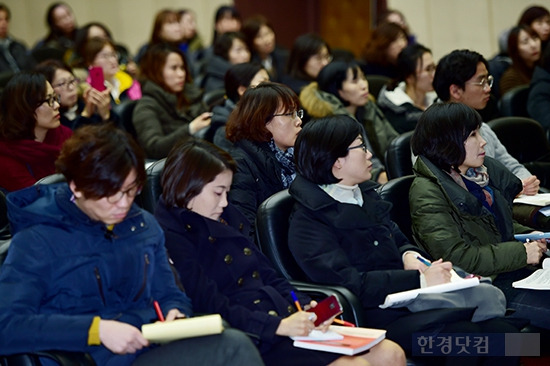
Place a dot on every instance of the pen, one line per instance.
(296, 302)
(158, 310)
(423, 260)
(343, 322)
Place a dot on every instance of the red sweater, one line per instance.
(23, 162)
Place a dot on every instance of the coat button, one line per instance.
(188, 227)
(375, 243)
(240, 281)
(133, 228)
(290, 309)
(247, 251)
(211, 239)
(256, 274)
(228, 259)
(272, 313)
(257, 301)
(241, 226)
(142, 224)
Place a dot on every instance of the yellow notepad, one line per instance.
(163, 332)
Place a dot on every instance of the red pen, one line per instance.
(158, 310)
(343, 322)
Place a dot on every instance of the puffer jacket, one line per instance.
(63, 269)
(451, 223)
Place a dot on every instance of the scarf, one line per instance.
(286, 161)
(476, 181)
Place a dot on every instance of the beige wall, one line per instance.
(445, 25)
(442, 25)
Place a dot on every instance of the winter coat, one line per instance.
(19, 54)
(538, 103)
(451, 223)
(379, 131)
(24, 162)
(399, 108)
(216, 67)
(220, 115)
(344, 244)
(63, 269)
(279, 59)
(223, 272)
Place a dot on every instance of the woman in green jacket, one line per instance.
(461, 207)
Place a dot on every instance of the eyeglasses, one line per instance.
(488, 81)
(326, 57)
(108, 55)
(362, 146)
(67, 83)
(296, 114)
(51, 99)
(130, 192)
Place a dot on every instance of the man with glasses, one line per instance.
(85, 265)
(463, 77)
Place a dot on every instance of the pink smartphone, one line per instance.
(326, 309)
(96, 78)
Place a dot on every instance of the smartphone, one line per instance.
(96, 78)
(326, 309)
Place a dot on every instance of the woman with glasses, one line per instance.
(94, 107)
(342, 88)
(341, 234)
(231, 276)
(524, 48)
(30, 132)
(408, 95)
(461, 207)
(309, 54)
(263, 128)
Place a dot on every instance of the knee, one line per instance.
(388, 353)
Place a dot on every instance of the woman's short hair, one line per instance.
(224, 42)
(239, 75)
(441, 132)
(407, 62)
(531, 14)
(251, 28)
(256, 108)
(153, 61)
(380, 39)
(81, 36)
(20, 98)
(94, 46)
(304, 47)
(321, 142)
(332, 76)
(49, 67)
(223, 12)
(99, 158)
(190, 165)
(163, 16)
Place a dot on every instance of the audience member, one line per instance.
(462, 77)
(14, 56)
(341, 234)
(229, 49)
(538, 18)
(166, 29)
(85, 265)
(408, 95)
(397, 17)
(538, 103)
(383, 47)
(237, 79)
(164, 115)
(260, 38)
(525, 52)
(191, 42)
(95, 107)
(30, 132)
(263, 128)
(195, 182)
(461, 207)
(61, 28)
(309, 54)
(341, 88)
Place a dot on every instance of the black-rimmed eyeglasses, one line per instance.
(296, 114)
(362, 146)
(51, 99)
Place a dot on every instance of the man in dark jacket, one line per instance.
(14, 56)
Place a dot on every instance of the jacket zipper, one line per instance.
(144, 278)
(99, 284)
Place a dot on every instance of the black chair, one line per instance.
(125, 111)
(152, 189)
(396, 191)
(51, 179)
(376, 83)
(398, 156)
(272, 235)
(524, 138)
(47, 53)
(213, 98)
(514, 102)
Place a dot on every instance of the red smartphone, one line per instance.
(326, 309)
(96, 78)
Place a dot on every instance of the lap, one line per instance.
(284, 353)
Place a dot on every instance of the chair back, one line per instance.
(125, 111)
(213, 98)
(398, 156)
(514, 102)
(376, 83)
(152, 189)
(272, 224)
(51, 179)
(396, 191)
(524, 138)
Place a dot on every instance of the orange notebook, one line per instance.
(356, 340)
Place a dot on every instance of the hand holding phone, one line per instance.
(97, 81)
(326, 309)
